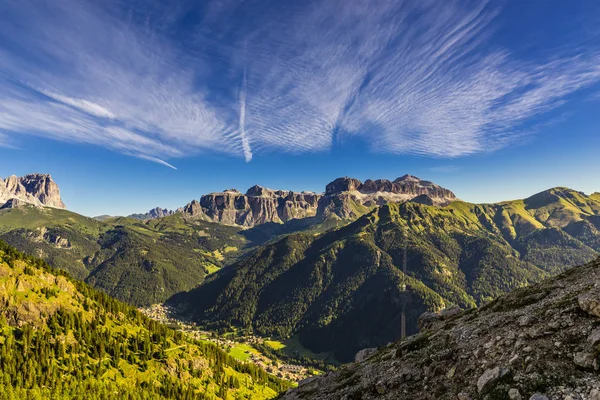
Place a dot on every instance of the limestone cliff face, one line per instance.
(348, 198)
(36, 189)
(258, 206)
(344, 198)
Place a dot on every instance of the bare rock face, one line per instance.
(344, 184)
(364, 354)
(258, 206)
(12, 203)
(36, 189)
(489, 352)
(153, 214)
(347, 198)
(192, 209)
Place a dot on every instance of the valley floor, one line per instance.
(246, 348)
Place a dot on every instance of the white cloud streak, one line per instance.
(242, 125)
(404, 76)
(83, 105)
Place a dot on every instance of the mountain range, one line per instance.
(325, 268)
(146, 258)
(343, 290)
(344, 198)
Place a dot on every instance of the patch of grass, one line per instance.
(211, 268)
(292, 348)
(242, 351)
(274, 344)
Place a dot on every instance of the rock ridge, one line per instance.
(37, 189)
(344, 198)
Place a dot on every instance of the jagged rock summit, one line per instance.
(153, 214)
(348, 198)
(258, 206)
(539, 342)
(401, 189)
(36, 189)
(344, 198)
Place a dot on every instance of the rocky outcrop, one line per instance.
(539, 342)
(340, 185)
(229, 207)
(345, 198)
(36, 189)
(153, 214)
(13, 203)
(258, 206)
(348, 198)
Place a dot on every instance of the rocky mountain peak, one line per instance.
(345, 184)
(258, 205)
(154, 213)
(347, 197)
(258, 191)
(407, 177)
(36, 189)
(344, 198)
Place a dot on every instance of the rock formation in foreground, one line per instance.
(538, 343)
(344, 198)
(36, 189)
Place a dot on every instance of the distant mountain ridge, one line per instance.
(140, 262)
(344, 198)
(152, 214)
(36, 189)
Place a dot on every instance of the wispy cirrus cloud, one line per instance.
(83, 105)
(249, 78)
(75, 72)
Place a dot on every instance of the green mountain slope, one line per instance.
(344, 290)
(539, 342)
(138, 262)
(60, 338)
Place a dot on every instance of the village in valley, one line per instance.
(243, 348)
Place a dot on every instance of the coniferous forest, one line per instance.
(60, 338)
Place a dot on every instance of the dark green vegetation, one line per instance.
(140, 262)
(344, 290)
(60, 338)
(537, 342)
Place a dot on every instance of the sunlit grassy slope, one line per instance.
(141, 262)
(62, 339)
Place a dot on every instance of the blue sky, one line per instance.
(136, 104)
